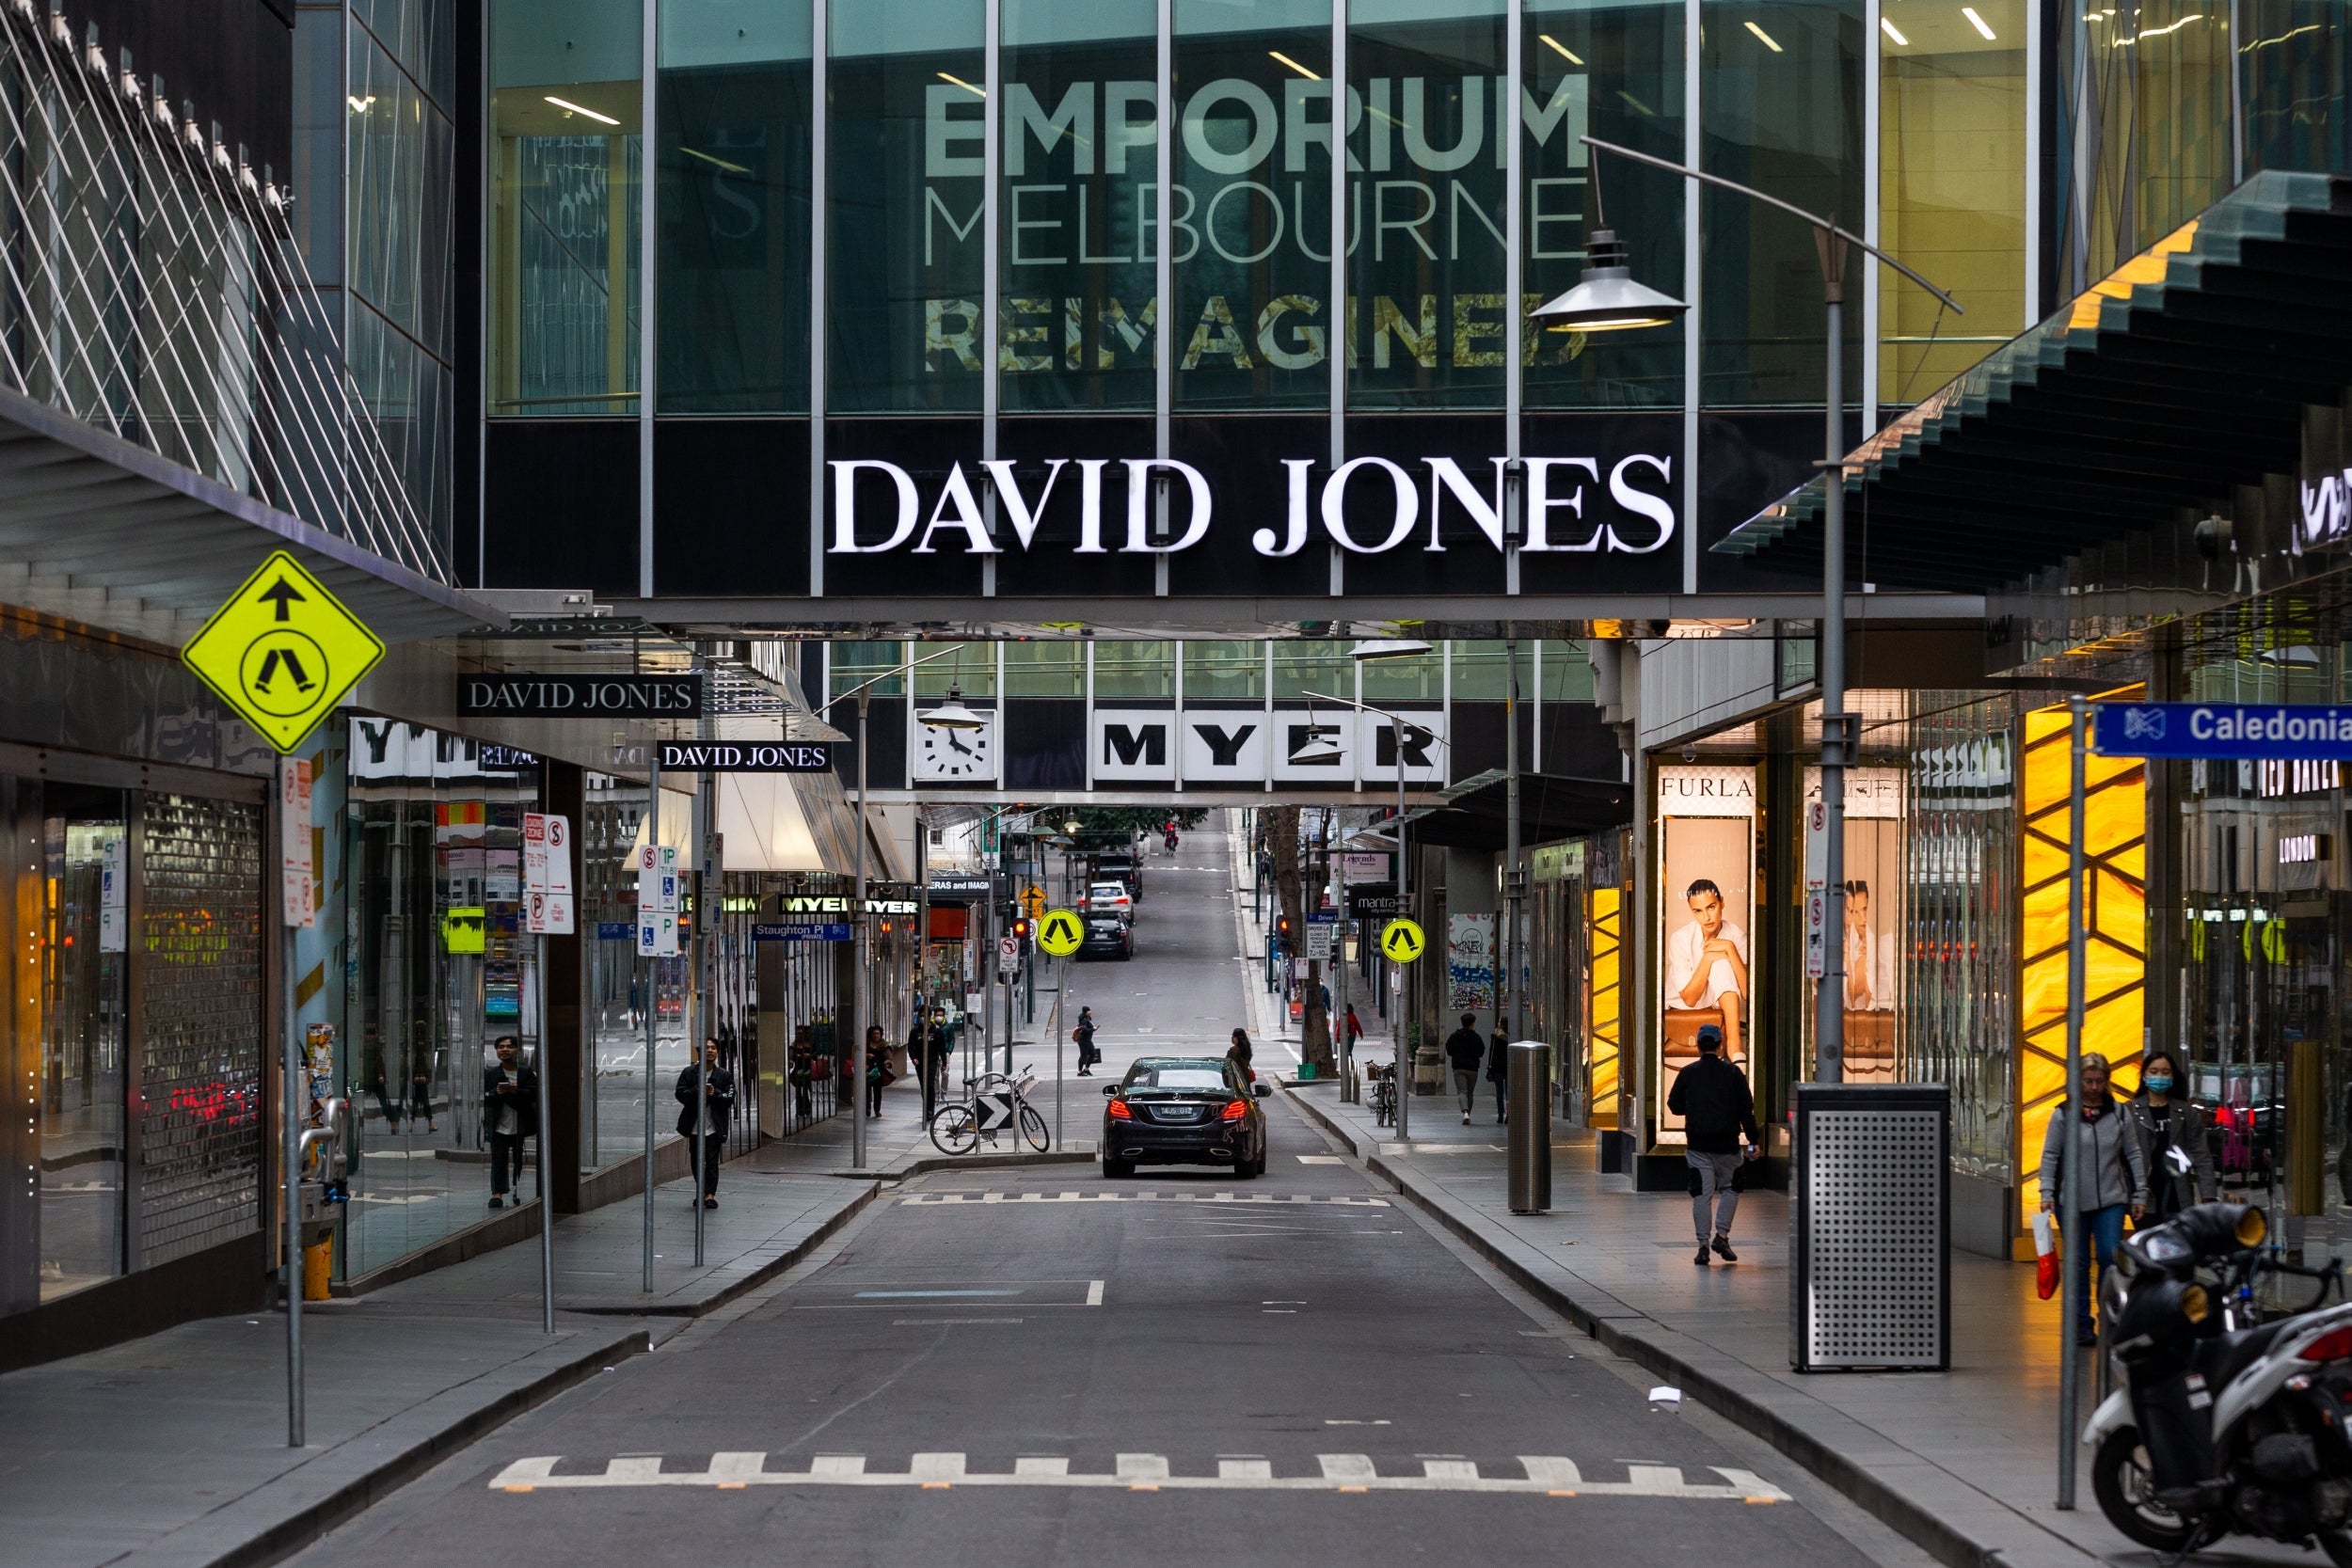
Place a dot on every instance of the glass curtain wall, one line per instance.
(2147, 108)
(85, 997)
(612, 1086)
(906, 182)
(733, 206)
(1613, 72)
(566, 96)
(1254, 320)
(1076, 238)
(1953, 112)
(434, 863)
(2295, 66)
(1782, 110)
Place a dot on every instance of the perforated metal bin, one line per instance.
(1870, 1220)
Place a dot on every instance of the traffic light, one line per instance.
(1020, 929)
(1282, 930)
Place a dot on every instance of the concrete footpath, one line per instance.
(170, 1451)
(1964, 1462)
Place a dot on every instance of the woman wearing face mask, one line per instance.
(2172, 1141)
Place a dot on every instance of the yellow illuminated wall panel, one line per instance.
(2115, 866)
(1604, 1028)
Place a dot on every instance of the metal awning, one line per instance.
(1473, 814)
(97, 530)
(2180, 376)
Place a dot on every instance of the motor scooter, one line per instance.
(2229, 1417)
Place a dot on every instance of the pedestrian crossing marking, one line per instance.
(1538, 1475)
(921, 1199)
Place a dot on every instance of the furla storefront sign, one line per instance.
(1366, 505)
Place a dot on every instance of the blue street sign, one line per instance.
(2265, 730)
(1323, 917)
(615, 930)
(803, 931)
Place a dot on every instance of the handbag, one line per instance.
(2045, 1276)
(822, 1069)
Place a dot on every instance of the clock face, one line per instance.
(955, 756)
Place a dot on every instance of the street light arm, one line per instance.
(1754, 195)
(1397, 720)
(887, 674)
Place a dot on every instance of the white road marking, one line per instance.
(1094, 1293)
(1320, 1159)
(1539, 1474)
(925, 1199)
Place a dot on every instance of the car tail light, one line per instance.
(2334, 1345)
(1120, 1111)
(1234, 1110)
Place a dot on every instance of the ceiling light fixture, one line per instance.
(1565, 51)
(1276, 54)
(960, 82)
(1977, 23)
(569, 107)
(1893, 32)
(1766, 38)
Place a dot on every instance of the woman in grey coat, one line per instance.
(2114, 1177)
(2174, 1144)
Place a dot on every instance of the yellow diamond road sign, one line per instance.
(1402, 941)
(1060, 932)
(283, 651)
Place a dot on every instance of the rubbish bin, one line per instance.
(1528, 1139)
(1870, 1223)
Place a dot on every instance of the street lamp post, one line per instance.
(954, 716)
(1607, 299)
(1404, 871)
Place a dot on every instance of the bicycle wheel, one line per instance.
(956, 1129)
(1033, 1129)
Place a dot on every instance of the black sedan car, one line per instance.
(1184, 1110)
(1107, 936)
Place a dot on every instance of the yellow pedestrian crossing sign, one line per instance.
(1402, 941)
(1060, 932)
(282, 651)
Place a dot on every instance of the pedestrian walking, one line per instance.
(1711, 1097)
(1466, 1052)
(1239, 1053)
(1084, 1035)
(1498, 1073)
(800, 1071)
(878, 1074)
(1354, 1030)
(510, 1099)
(2175, 1148)
(2114, 1178)
(718, 1103)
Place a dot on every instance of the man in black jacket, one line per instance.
(1466, 1052)
(718, 1101)
(1711, 1097)
(510, 1114)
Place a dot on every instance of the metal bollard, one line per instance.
(1528, 1139)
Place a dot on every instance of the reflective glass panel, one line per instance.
(1782, 93)
(1426, 327)
(1252, 237)
(1418, 676)
(734, 206)
(1951, 186)
(853, 664)
(1613, 72)
(2153, 122)
(1327, 669)
(84, 993)
(969, 667)
(1075, 225)
(2295, 61)
(564, 103)
(1134, 670)
(907, 182)
(1482, 674)
(1045, 670)
(1225, 670)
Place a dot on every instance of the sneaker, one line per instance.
(497, 1202)
(1722, 1249)
(1701, 1258)
(1465, 1118)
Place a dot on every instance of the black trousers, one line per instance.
(714, 1151)
(506, 1156)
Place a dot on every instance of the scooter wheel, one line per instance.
(2120, 1480)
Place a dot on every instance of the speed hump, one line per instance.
(1059, 933)
(1402, 941)
(282, 651)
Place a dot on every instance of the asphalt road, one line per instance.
(1040, 1367)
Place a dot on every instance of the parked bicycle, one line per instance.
(1383, 1077)
(962, 1127)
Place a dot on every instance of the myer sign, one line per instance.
(1367, 505)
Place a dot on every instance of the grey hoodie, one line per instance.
(2110, 1151)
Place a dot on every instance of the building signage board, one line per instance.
(746, 756)
(1372, 901)
(1705, 908)
(2254, 730)
(578, 695)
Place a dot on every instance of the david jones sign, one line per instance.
(1367, 505)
